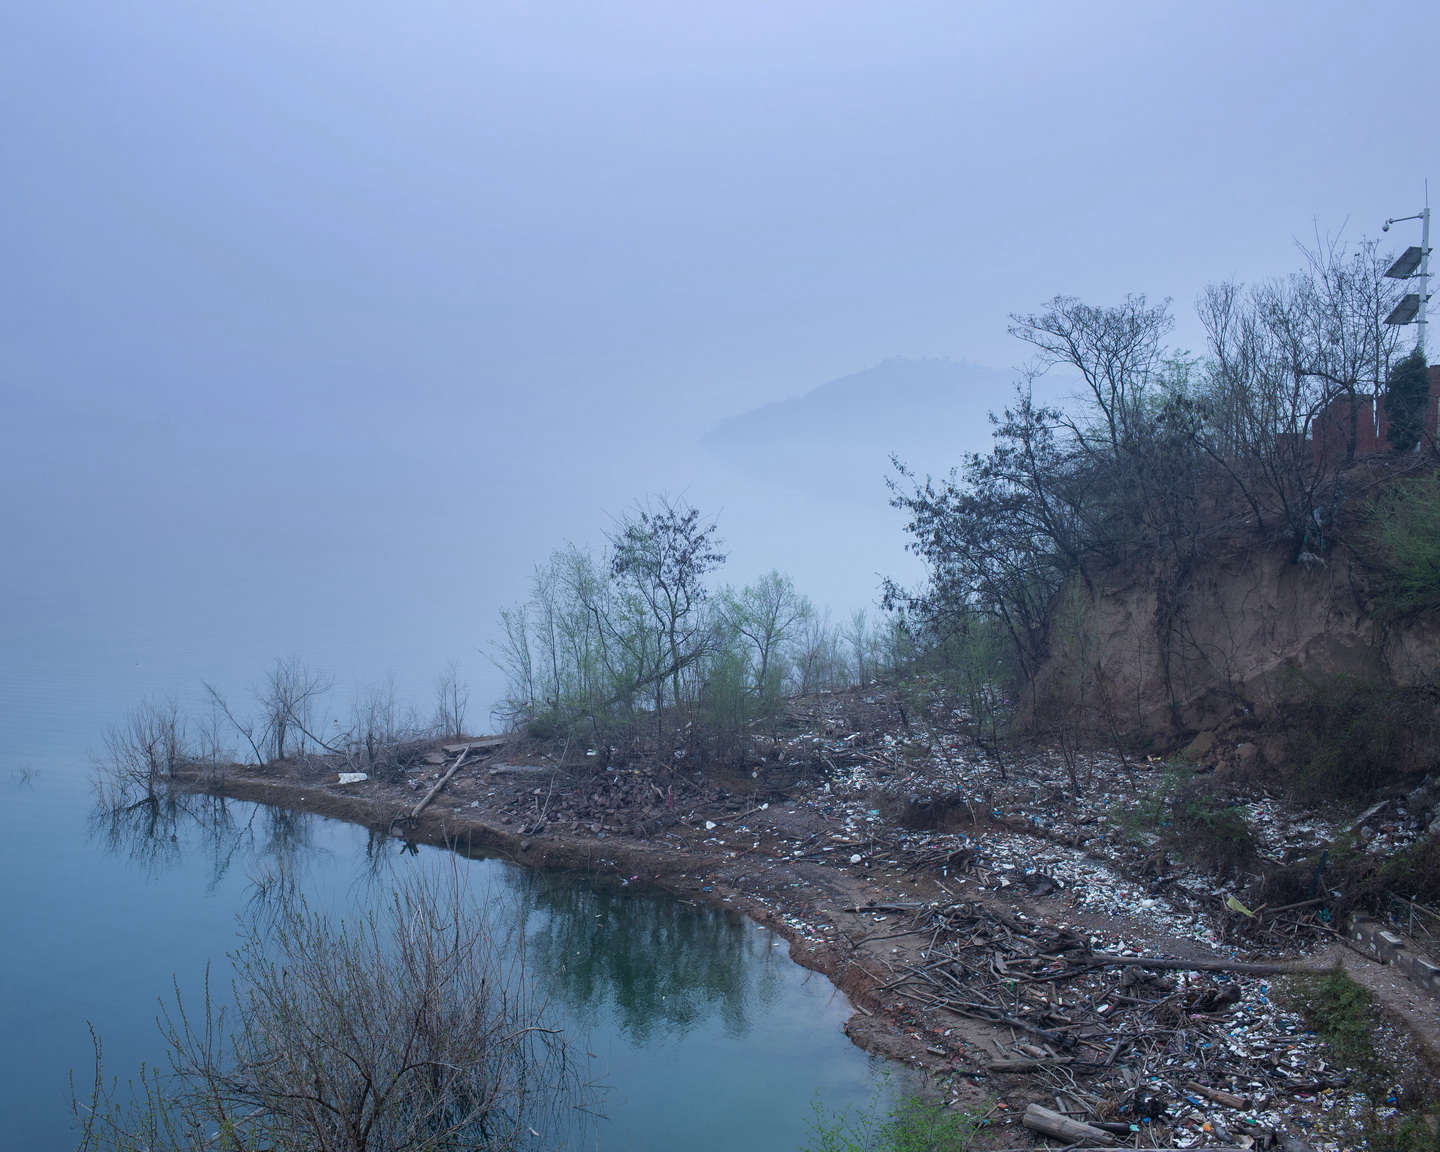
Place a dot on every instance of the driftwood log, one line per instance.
(1051, 1123)
(439, 784)
(1168, 964)
(462, 754)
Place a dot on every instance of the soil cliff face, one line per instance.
(1155, 654)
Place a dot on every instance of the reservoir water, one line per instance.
(700, 1030)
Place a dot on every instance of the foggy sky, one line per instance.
(322, 323)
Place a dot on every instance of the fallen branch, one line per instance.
(1026, 1064)
(439, 784)
(1168, 964)
(1229, 1099)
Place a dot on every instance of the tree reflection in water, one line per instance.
(162, 831)
(658, 960)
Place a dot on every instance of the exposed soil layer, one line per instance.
(968, 909)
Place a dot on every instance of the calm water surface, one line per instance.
(703, 1032)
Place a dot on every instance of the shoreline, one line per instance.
(873, 853)
(680, 871)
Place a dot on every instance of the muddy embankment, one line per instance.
(1157, 655)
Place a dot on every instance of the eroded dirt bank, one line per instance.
(990, 928)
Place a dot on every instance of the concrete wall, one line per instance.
(1390, 948)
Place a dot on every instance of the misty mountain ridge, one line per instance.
(840, 436)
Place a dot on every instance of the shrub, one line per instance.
(1400, 537)
(910, 1125)
(1389, 1071)
(1414, 871)
(1348, 736)
(1406, 390)
(1205, 829)
(1187, 818)
(414, 1030)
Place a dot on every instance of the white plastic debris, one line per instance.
(353, 777)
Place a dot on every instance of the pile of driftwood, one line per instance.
(1182, 1050)
(634, 801)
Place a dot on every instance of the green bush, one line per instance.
(1348, 736)
(1187, 818)
(1400, 538)
(1207, 830)
(911, 1125)
(1406, 391)
(1414, 871)
(1342, 1013)
(1400, 1092)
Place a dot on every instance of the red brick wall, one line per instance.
(1331, 429)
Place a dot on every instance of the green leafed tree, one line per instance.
(767, 614)
(662, 554)
(1406, 390)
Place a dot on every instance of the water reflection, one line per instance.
(659, 962)
(654, 961)
(167, 829)
(703, 1033)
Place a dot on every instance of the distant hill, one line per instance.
(838, 437)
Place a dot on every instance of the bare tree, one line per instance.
(379, 728)
(142, 754)
(375, 723)
(287, 702)
(247, 728)
(820, 663)
(452, 698)
(1117, 351)
(1286, 356)
(516, 658)
(417, 1030)
(857, 635)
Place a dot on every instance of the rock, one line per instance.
(1200, 747)
(1424, 797)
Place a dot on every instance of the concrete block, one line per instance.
(1424, 973)
(1388, 945)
